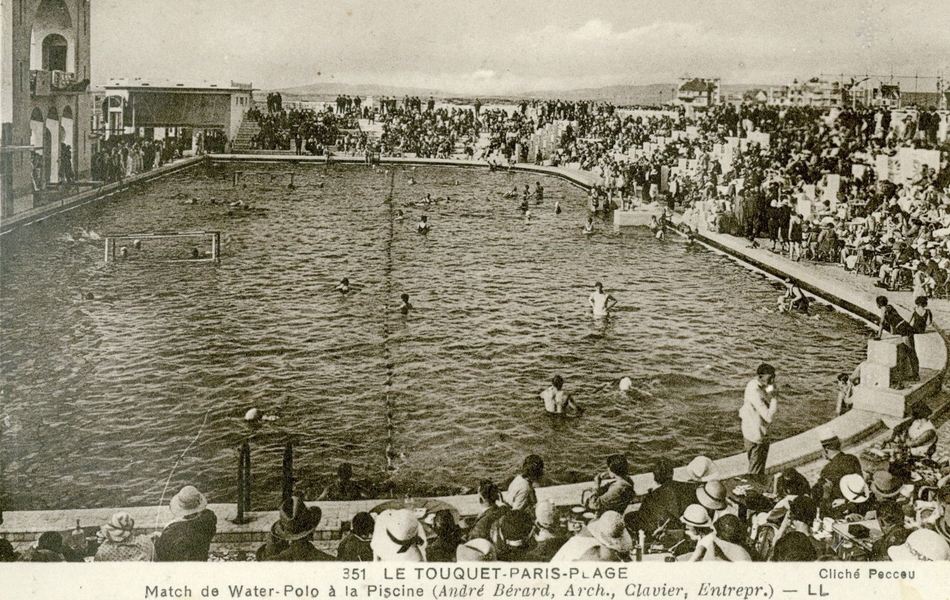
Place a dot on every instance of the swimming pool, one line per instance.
(102, 396)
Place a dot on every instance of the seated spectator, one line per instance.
(922, 545)
(291, 535)
(713, 547)
(664, 505)
(521, 495)
(800, 516)
(49, 548)
(118, 542)
(856, 499)
(492, 508)
(699, 525)
(604, 540)
(398, 537)
(188, 537)
(890, 516)
(886, 486)
(917, 435)
(712, 497)
(942, 526)
(354, 547)
(827, 489)
(549, 534)
(701, 469)
(475, 550)
(511, 536)
(614, 488)
(344, 488)
(7, 553)
(794, 546)
(448, 537)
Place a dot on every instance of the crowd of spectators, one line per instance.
(896, 508)
(123, 156)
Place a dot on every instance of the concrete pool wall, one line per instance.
(853, 428)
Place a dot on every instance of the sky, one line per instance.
(507, 46)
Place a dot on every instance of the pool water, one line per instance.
(102, 397)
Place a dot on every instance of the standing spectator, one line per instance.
(757, 412)
(188, 536)
(893, 322)
(118, 542)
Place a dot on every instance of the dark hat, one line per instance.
(794, 546)
(297, 520)
(885, 485)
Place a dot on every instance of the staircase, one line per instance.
(242, 141)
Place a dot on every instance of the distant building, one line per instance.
(886, 96)
(44, 98)
(698, 92)
(814, 92)
(156, 109)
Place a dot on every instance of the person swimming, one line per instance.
(557, 207)
(589, 226)
(527, 216)
(423, 225)
(556, 400)
(344, 286)
(406, 306)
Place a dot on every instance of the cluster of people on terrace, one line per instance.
(121, 157)
(307, 130)
(894, 505)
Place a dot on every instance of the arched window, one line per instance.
(55, 51)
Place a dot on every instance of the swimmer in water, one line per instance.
(399, 215)
(343, 287)
(423, 225)
(557, 207)
(405, 307)
(600, 301)
(195, 254)
(527, 216)
(589, 226)
(556, 400)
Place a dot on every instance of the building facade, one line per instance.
(45, 107)
(698, 92)
(815, 92)
(155, 109)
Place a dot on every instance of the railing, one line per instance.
(44, 83)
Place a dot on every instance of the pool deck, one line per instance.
(831, 283)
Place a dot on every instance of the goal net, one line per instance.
(190, 246)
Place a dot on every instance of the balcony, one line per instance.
(46, 83)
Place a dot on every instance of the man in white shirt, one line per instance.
(600, 301)
(758, 410)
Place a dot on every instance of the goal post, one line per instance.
(165, 246)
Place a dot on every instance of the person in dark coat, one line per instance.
(188, 537)
(662, 506)
(355, 546)
(291, 535)
(448, 537)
